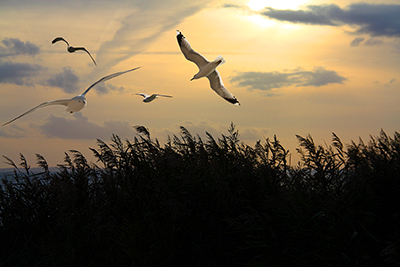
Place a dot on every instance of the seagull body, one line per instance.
(74, 104)
(72, 49)
(148, 98)
(206, 69)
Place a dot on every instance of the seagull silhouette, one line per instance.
(72, 49)
(74, 104)
(148, 98)
(206, 69)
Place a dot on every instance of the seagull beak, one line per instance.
(192, 79)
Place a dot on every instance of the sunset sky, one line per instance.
(296, 67)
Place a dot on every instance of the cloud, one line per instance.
(267, 81)
(372, 19)
(67, 80)
(105, 88)
(14, 47)
(373, 42)
(18, 73)
(147, 21)
(357, 41)
(81, 128)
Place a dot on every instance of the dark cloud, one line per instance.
(357, 41)
(81, 128)
(371, 19)
(373, 42)
(18, 73)
(270, 80)
(67, 80)
(14, 47)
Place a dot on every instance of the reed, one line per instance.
(212, 202)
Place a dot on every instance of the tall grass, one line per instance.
(213, 202)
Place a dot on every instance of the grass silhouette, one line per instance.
(213, 202)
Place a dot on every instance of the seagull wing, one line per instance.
(218, 86)
(108, 77)
(63, 102)
(84, 49)
(59, 39)
(189, 53)
(144, 95)
(163, 95)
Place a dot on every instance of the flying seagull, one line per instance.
(74, 104)
(148, 98)
(72, 49)
(206, 69)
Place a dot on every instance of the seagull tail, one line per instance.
(220, 58)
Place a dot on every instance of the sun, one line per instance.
(257, 5)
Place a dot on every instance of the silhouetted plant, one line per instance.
(217, 202)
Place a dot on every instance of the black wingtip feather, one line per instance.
(232, 100)
(179, 37)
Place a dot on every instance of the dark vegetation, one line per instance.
(217, 202)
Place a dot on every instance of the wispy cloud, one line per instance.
(15, 47)
(266, 81)
(142, 26)
(105, 88)
(18, 73)
(81, 128)
(67, 80)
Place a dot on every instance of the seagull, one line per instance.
(206, 69)
(149, 98)
(72, 49)
(74, 104)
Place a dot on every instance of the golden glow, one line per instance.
(257, 5)
(258, 19)
(282, 4)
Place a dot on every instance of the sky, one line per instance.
(297, 67)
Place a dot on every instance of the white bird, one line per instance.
(74, 104)
(148, 98)
(72, 49)
(206, 69)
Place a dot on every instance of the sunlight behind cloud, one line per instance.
(261, 21)
(257, 5)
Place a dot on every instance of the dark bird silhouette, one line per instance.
(72, 49)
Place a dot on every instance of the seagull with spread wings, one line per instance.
(74, 104)
(148, 98)
(72, 49)
(206, 69)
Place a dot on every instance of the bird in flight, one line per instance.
(206, 69)
(74, 104)
(148, 98)
(72, 49)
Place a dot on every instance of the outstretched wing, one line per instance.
(142, 94)
(218, 86)
(63, 102)
(163, 95)
(188, 52)
(59, 39)
(84, 49)
(108, 77)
